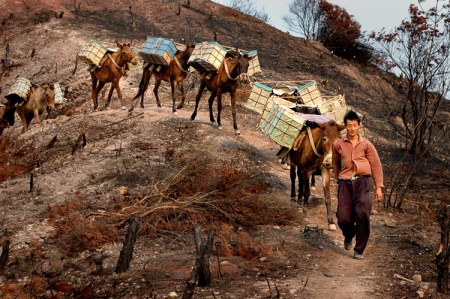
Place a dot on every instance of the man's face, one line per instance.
(352, 128)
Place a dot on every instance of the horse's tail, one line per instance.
(145, 80)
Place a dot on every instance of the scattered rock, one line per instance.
(420, 293)
(417, 277)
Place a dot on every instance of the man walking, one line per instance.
(355, 160)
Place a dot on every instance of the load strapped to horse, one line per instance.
(107, 65)
(220, 67)
(305, 124)
(30, 101)
(168, 61)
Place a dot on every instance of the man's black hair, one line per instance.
(352, 115)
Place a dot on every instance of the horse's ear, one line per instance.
(341, 127)
(118, 44)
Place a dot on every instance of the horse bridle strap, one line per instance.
(115, 63)
(308, 129)
(179, 64)
(228, 72)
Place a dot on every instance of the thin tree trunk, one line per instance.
(126, 254)
(5, 255)
(201, 272)
(442, 257)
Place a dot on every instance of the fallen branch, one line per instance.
(398, 276)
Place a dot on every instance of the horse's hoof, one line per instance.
(220, 127)
(332, 227)
(124, 108)
(175, 113)
(237, 132)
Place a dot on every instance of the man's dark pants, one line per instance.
(353, 211)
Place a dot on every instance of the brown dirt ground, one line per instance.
(67, 226)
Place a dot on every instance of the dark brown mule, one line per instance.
(112, 70)
(175, 73)
(307, 159)
(225, 80)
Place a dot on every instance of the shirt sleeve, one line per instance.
(336, 158)
(375, 165)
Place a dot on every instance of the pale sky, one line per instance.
(373, 15)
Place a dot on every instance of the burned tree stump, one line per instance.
(126, 254)
(201, 272)
(443, 254)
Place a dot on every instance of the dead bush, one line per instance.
(75, 233)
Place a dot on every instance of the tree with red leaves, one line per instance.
(418, 50)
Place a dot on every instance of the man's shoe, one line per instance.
(358, 256)
(347, 245)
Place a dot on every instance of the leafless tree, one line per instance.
(304, 18)
(248, 7)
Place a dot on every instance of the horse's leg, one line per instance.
(300, 186)
(233, 111)
(119, 93)
(24, 122)
(96, 92)
(219, 109)
(94, 87)
(198, 97)
(326, 192)
(173, 85)
(313, 182)
(183, 94)
(155, 90)
(305, 181)
(108, 100)
(292, 172)
(210, 105)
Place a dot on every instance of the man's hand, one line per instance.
(379, 194)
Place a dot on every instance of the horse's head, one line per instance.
(126, 53)
(330, 134)
(50, 97)
(239, 63)
(190, 48)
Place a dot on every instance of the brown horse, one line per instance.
(307, 159)
(112, 70)
(225, 80)
(175, 73)
(41, 100)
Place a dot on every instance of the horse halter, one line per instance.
(122, 69)
(311, 140)
(228, 72)
(179, 64)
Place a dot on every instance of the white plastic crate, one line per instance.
(207, 57)
(93, 53)
(258, 97)
(281, 124)
(21, 87)
(158, 51)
